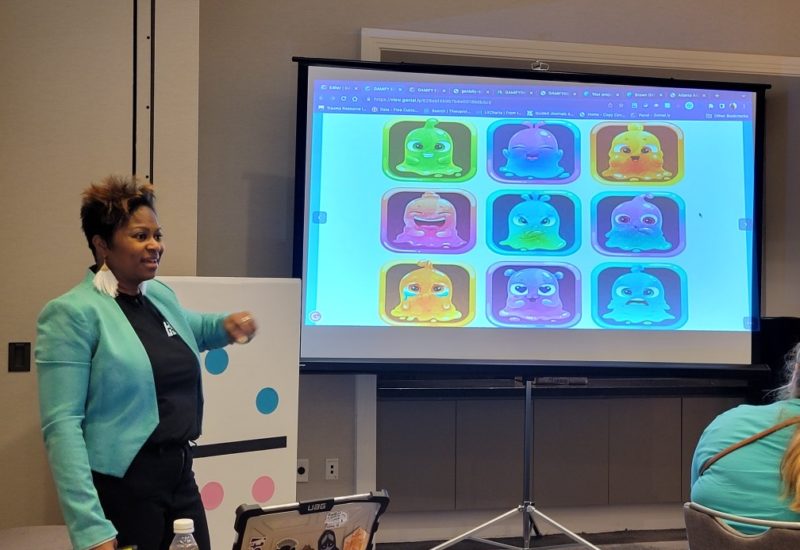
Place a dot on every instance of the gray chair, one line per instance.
(707, 530)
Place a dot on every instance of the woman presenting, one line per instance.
(119, 382)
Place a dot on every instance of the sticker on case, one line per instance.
(335, 519)
(357, 540)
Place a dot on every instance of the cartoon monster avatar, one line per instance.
(636, 226)
(532, 295)
(533, 153)
(430, 221)
(533, 224)
(426, 295)
(429, 152)
(636, 155)
(638, 297)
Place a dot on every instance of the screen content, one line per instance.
(479, 218)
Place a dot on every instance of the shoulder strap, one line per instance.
(747, 441)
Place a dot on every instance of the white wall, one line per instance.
(65, 121)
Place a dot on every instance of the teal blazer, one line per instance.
(97, 397)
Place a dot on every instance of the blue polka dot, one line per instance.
(267, 401)
(216, 361)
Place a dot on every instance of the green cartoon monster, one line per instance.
(429, 152)
(534, 224)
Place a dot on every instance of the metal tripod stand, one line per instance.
(527, 508)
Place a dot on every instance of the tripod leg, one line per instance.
(535, 528)
(468, 534)
(527, 521)
(574, 536)
(528, 525)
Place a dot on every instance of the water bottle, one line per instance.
(184, 540)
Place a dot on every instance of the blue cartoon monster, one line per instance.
(638, 297)
(429, 152)
(534, 224)
(636, 226)
(533, 296)
(533, 153)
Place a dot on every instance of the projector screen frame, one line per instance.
(437, 368)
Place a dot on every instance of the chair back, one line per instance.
(707, 530)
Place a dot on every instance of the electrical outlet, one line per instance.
(302, 470)
(331, 468)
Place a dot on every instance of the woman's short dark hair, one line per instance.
(109, 205)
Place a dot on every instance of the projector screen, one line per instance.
(464, 215)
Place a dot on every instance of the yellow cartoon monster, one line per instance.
(426, 295)
(636, 155)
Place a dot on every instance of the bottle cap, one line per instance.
(183, 525)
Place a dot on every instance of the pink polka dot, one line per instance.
(212, 494)
(263, 489)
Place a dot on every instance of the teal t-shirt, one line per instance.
(747, 481)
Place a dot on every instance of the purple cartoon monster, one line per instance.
(533, 296)
(636, 226)
(533, 153)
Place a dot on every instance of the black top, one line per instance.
(175, 371)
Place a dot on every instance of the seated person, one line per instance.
(761, 478)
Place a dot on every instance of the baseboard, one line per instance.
(424, 526)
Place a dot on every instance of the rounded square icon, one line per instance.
(541, 224)
(424, 293)
(533, 294)
(533, 151)
(635, 153)
(639, 296)
(627, 223)
(429, 150)
(419, 220)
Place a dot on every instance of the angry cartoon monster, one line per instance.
(533, 224)
(533, 296)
